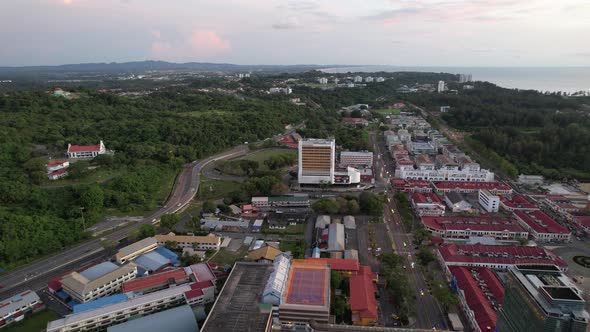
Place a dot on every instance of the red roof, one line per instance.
(426, 198)
(518, 202)
(583, 220)
(191, 294)
(337, 264)
(55, 162)
(473, 223)
(470, 185)
(354, 120)
(154, 280)
(84, 148)
(362, 295)
(58, 172)
(541, 222)
(501, 255)
(54, 284)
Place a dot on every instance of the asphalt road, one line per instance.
(34, 275)
(428, 314)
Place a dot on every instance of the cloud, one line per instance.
(288, 23)
(582, 54)
(197, 45)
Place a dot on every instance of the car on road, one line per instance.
(421, 292)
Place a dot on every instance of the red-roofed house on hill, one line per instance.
(542, 227)
(355, 122)
(464, 227)
(496, 257)
(57, 174)
(427, 204)
(362, 298)
(57, 169)
(86, 151)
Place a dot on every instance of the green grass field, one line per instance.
(388, 111)
(291, 229)
(263, 155)
(97, 175)
(214, 189)
(224, 256)
(34, 323)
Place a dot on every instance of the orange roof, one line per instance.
(56, 162)
(337, 264)
(362, 295)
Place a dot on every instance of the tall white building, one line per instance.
(464, 78)
(441, 86)
(368, 79)
(380, 79)
(323, 80)
(316, 161)
(358, 79)
(490, 202)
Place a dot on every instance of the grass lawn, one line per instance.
(388, 111)
(34, 323)
(97, 175)
(214, 189)
(263, 155)
(224, 256)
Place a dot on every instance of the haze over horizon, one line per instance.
(376, 32)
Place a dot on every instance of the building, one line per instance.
(355, 122)
(201, 293)
(531, 179)
(380, 79)
(347, 176)
(342, 265)
(456, 202)
(221, 224)
(151, 262)
(56, 165)
(541, 298)
(440, 87)
(490, 202)
(281, 201)
(427, 204)
(480, 295)
(416, 148)
(362, 159)
(517, 202)
(265, 254)
(316, 161)
(85, 151)
(411, 186)
(336, 237)
(307, 294)
(286, 90)
(14, 309)
(446, 174)
(496, 256)
(116, 313)
(357, 79)
(362, 301)
(542, 227)
(179, 319)
(323, 80)
(156, 282)
(203, 243)
(201, 272)
(100, 280)
(464, 78)
(368, 79)
(466, 227)
(561, 204)
(281, 219)
(277, 282)
(494, 187)
(236, 307)
(55, 175)
(136, 249)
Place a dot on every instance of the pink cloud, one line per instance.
(195, 46)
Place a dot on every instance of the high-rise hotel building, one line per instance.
(316, 161)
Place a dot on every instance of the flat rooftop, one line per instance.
(236, 308)
(307, 285)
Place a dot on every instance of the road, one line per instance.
(429, 314)
(40, 272)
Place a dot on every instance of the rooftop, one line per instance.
(236, 309)
(78, 283)
(18, 301)
(209, 238)
(336, 264)
(518, 202)
(136, 246)
(99, 270)
(266, 252)
(154, 280)
(202, 272)
(470, 185)
(84, 148)
(179, 319)
(308, 284)
(490, 254)
(425, 198)
(472, 223)
(362, 294)
(541, 222)
(103, 301)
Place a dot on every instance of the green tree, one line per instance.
(92, 198)
(146, 230)
(169, 221)
(208, 207)
(421, 235)
(371, 204)
(425, 256)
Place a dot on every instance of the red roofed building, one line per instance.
(411, 186)
(517, 202)
(494, 187)
(496, 257)
(201, 293)
(289, 142)
(55, 165)
(427, 204)
(349, 266)
(156, 282)
(464, 227)
(561, 204)
(480, 294)
(583, 222)
(542, 227)
(86, 151)
(362, 298)
(356, 121)
(60, 173)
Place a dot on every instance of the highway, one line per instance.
(36, 275)
(428, 314)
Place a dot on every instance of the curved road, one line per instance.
(185, 189)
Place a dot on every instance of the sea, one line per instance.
(551, 79)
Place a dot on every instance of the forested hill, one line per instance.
(152, 136)
(540, 133)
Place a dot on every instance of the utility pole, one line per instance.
(83, 221)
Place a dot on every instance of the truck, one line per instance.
(456, 324)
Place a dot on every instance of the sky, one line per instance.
(371, 32)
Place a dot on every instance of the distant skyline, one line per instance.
(277, 32)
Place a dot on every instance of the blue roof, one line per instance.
(171, 255)
(62, 295)
(99, 303)
(152, 261)
(99, 270)
(73, 303)
(179, 319)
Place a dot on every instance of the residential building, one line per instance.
(55, 175)
(424, 162)
(542, 227)
(466, 227)
(136, 249)
(357, 79)
(456, 202)
(281, 201)
(236, 308)
(449, 174)
(380, 79)
(494, 187)
(323, 80)
(416, 148)
(541, 298)
(204, 243)
(427, 204)
(85, 151)
(156, 282)
(316, 161)
(265, 254)
(362, 159)
(368, 79)
(304, 300)
(103, 317)
(490, 202)
(56, 165)
(561, 204)
(362, 301)
(496, 256)
(14, 309)
(356, 122)
(100, 280)
(517, 202)
(531, 179)
(286, 90)
(179, 319)
(441, 87)
(411, 186)
(201, 293)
